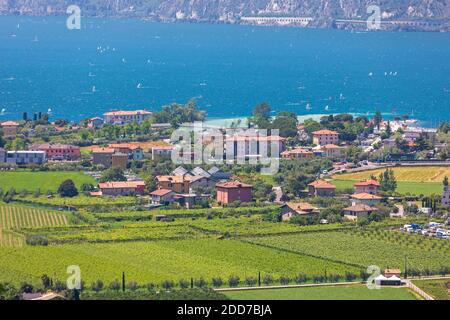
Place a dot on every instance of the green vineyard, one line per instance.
(15, 217)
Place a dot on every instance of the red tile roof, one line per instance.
(121, 184)
(123, 146)
(160, 192)
(102, 150)
(367, 183)
(233, 185)
(360, 208)
(325, 132)
(10, 124)
(320, 184)
(366, 196)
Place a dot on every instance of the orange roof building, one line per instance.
(298, 153)
(324, 137)
(368, 186)
(321, 188)
(122, 188)
(9, 128)
(232, 191)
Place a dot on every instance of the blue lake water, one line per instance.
(129, 64)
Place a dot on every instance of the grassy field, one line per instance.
(439, 289)
(356, 292)
(44, 181)
(403, 187)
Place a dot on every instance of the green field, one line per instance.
(354, 292)
(403, 187)
(439, 289)
(31, 181)
(155, 261)
(386, 249)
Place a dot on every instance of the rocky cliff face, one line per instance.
(324, 12)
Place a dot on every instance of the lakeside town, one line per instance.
(111, 179)
(343, 144)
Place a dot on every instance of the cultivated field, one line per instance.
(16, 217)
(439, 289)
(155, 261)
(386, 249)
(413, 180)
(31, 181)
(354, 292)
(411, 174)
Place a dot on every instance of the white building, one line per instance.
(26, 157)
(122, 117)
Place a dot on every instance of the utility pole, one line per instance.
(406, 268)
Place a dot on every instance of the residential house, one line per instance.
(162, 196)
(123, 117)
(321, 188)
(302, 209)
(298, 153)
(366, 198)
(120, 160)
(332, 150)
(102, 156)
(413, 133)
(446, 196)
(232, 191)
(162, 152)
(368, 186)
(122, 188)
(324, 137)
(180, 171)
(134, 152)
(58, 151)
(358, 210)
(178, 184)
(9, 128)
(108, 157)
(26, 157)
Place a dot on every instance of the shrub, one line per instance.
(285, 280)
(133, 286)
(200, 283)
(349, 276)
(233, 281)
(250, 281)
(184, 284)
(301, 278)
(115, 285)
(268, 279)
(217, 282)
(167, 284)
(97, 286)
